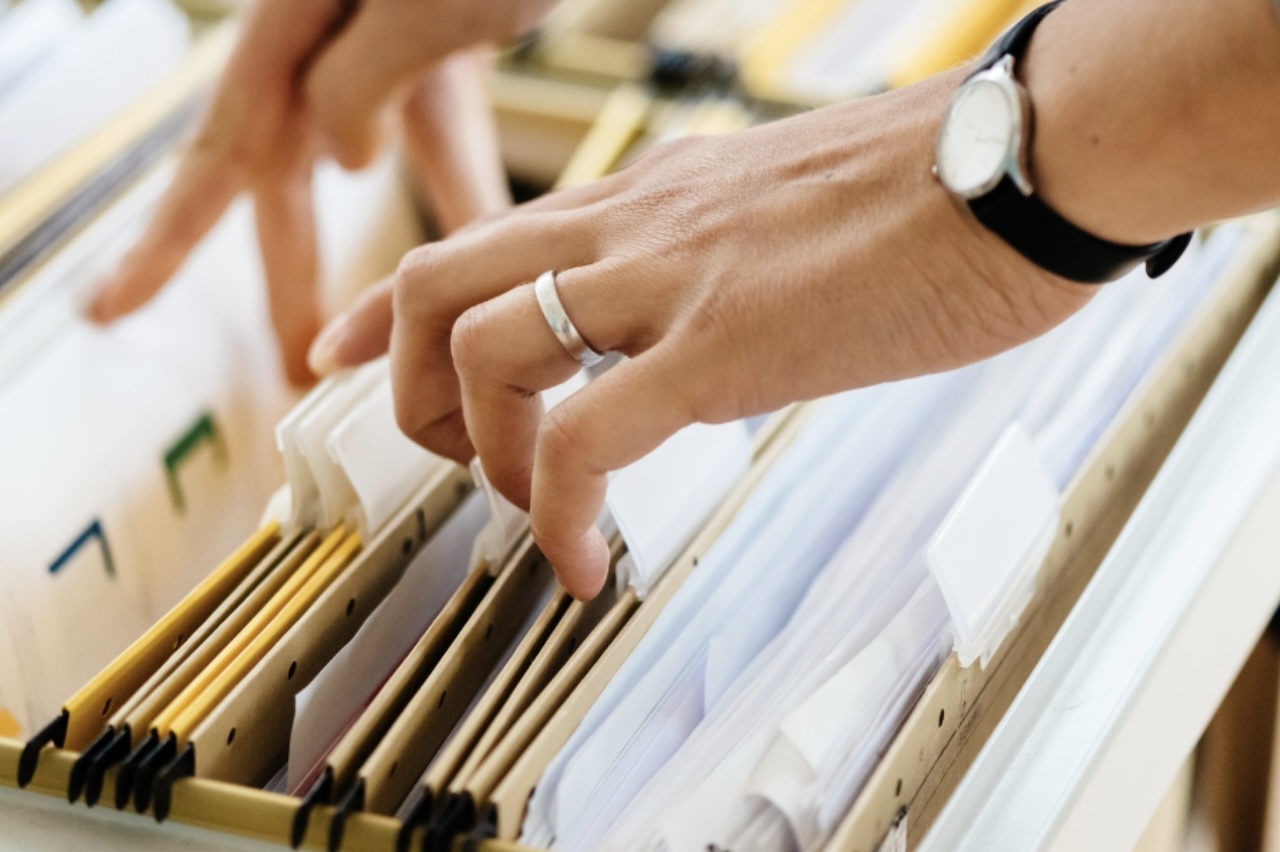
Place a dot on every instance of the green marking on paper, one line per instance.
(203, 431)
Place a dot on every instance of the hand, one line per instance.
(262, 135)
(737, 273)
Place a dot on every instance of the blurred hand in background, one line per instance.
(316, 77)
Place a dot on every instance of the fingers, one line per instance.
(205, 183)
(614, 421)
(360, 335)
(436, 283)
(384, 48)
(451, 142)
(505, 354)
(287, 239)
(252, 101)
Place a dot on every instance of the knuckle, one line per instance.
(560, 437)
(467, 340)
(413, 264)
(415, 267)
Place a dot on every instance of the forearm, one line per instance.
(1153, 117)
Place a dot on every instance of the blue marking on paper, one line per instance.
(91, 533)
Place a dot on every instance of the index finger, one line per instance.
(204, 185)
(252, 98)
(614, 421)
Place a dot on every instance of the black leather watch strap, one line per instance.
(1046, 239)
(1015, 39)
(1037, 231)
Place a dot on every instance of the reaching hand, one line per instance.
(263, 133)
(738, 273)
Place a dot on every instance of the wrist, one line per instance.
(1143, 130)
(1077, 157)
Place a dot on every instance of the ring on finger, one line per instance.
(544, 288)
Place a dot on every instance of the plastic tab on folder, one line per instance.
(507, 524)
(660, 501)
(320, 490)
(382, 465)
(987, 552)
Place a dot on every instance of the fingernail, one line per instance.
(322, 358)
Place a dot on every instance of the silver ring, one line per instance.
(561, 326)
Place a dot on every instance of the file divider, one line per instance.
(82, 717)
(260, 708)
(337, 561)
(569, 633)
(262, 621)
(478, 788)
(126, 728)
(44, 211)
(420, 731)
(574, 644)
(273, 570)
(139, 719)
(610, 645)
(470, 738)
(346, 546)
(357, 742)
(473, 794)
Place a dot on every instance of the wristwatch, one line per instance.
(982, 158)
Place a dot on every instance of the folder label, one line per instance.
(663, 499)
(506, 524)
(383, 467)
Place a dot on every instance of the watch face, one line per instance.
(977, 138)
